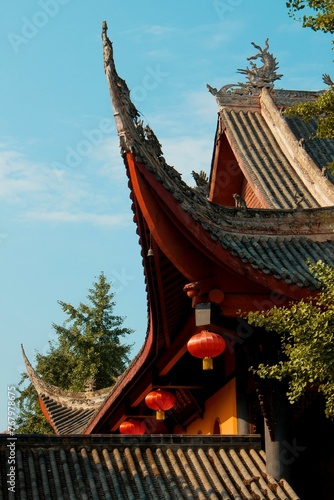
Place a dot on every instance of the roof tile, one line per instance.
(264, 160)
(145, 467)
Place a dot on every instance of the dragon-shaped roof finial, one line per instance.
(265, 75)
(257, 77)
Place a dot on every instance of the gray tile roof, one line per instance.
(264, 160)
(281, 258)
(320, 150)
(65, 418)
(140, 467)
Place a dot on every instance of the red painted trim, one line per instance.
(46, 413)
(170, 226)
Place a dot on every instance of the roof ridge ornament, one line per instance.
(125, 112)
(202, 181)
(135, 137)
(257, 77)
(265, 75)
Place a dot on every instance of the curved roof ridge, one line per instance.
(70, 399)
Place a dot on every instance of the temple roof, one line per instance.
(68, 412)
(146, 467)
(274, 174)
(263, 248)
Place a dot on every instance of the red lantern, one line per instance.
(132, 427)
(160, 401)
(206, 345)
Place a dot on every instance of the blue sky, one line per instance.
(64, 201)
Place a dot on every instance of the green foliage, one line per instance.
(319, 16)
(88, 348)
(322, 109)
(306, 331)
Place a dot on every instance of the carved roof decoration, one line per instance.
(131, 130)
(202, 181)
(265, 75)
(68, 412)
(257, 77)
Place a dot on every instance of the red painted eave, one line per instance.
(186, 243)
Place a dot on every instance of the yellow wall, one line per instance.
(222, 406)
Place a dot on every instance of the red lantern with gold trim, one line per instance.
(206, 345)
(160, 401)
(132, 427)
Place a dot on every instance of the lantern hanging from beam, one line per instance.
(160, 401)
(206, 345)
(132, 426)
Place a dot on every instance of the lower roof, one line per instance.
(133, 467)
(68, 412)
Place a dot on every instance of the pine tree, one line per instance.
(88, 348)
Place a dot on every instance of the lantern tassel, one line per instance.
(207, 363)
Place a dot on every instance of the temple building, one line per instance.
(240, 240)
